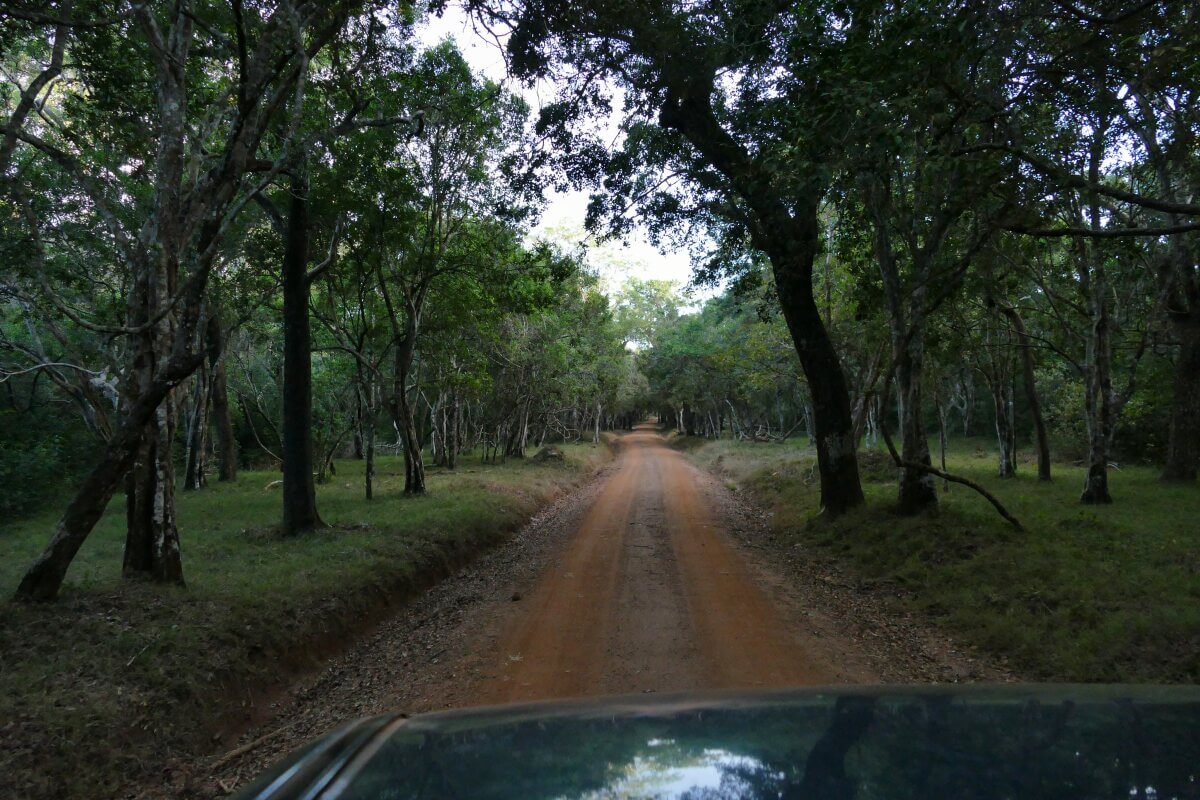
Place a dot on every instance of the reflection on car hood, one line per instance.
(1001, 743)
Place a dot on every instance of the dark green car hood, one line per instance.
(1001, 743)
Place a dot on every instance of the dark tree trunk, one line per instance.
(370, 459)
(368, 403)
(790, 241)
(44, 577)
(941, 412)
(452, 442)
(1098, 390)
(357, 440)
(139, 489)
(152, 537)
(402, 412)
(1031, 393)
(1002, 403)
(139, 481)
(918, 489)
(833, 425)
(195, 462)
(1183, 442)
(222, 421)
(299, 493)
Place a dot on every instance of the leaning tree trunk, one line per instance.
(790, 240)
(833, 426)
(44, 577)
(299, 492)
(1183, 442)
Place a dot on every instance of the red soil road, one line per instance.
(650, 595)
(653, 578)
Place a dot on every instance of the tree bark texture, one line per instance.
(1098, 388)
(402, 411)
(299, 492)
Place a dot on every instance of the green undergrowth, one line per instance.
(115, 678)
(1086, 593)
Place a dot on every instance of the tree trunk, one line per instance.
(167, 564)
(1183, 442)
(195, 462)
(368, 404)
(414, 467)
(359, 414)
(453, 436)
(222, 421)
(152, 537)
(941, 412)
(790, 240)
(918, 489)
(139, 489)
(299, 492)
(1098, 399)
(1031, 393)
(1002, 403)
(44, 577)
(524, 439)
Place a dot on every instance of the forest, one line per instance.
(271, 272)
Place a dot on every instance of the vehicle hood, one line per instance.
(1001, 742)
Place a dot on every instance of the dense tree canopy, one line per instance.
(279, 232)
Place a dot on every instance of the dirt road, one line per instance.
(655, 577)
(649, 596)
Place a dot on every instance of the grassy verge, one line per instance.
(155, 669)
(1086, 594)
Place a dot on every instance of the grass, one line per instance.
(158, 669)
(1087, 593)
